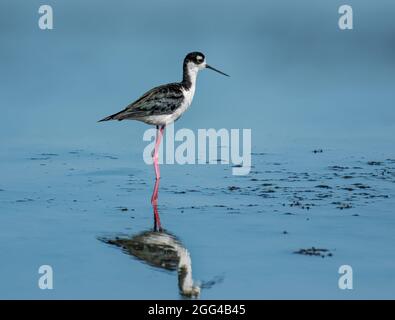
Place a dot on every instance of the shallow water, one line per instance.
(241, 232)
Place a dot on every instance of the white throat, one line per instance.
(193, 71)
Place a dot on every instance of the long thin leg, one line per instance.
(159, 134)
(157, 226)
(154, 202)
(154, 196)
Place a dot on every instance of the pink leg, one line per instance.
(157, 226)
(154, 196)
(154, 201)
(159, 133)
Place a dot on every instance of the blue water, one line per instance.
(297, 81)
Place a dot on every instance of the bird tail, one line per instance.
(106, 119)
(112, 117)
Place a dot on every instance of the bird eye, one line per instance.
(199, 59)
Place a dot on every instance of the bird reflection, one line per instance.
(161, 249)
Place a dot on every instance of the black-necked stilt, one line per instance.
(165, 104)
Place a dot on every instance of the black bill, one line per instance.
(210, 67)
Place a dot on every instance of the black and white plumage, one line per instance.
(165, 104)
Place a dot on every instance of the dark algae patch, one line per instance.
(318, 252)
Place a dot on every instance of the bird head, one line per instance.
(196, 61)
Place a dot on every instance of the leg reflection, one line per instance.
(154, 202)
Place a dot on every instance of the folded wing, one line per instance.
(161, 100)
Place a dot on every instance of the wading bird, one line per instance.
(165, 104)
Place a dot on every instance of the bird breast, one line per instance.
(188, 96)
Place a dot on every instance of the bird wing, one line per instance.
(158, 101)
